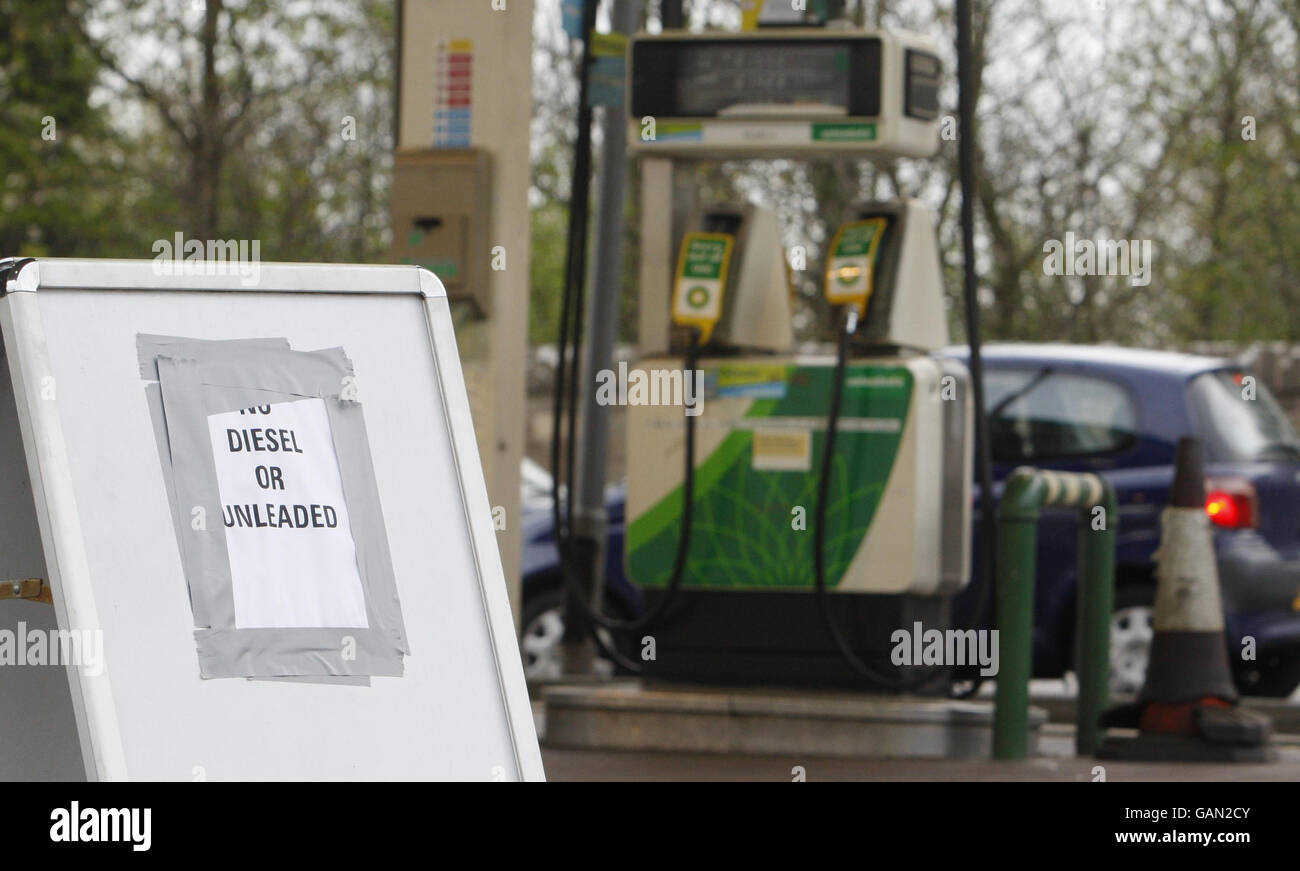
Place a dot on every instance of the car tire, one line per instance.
(543, 632)
(1274, 676)
(1130, 638)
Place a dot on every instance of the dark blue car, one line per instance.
(1119, 413)
(543, 616)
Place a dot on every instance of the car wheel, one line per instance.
(1130, 639)
(542, 638)
(543, 632)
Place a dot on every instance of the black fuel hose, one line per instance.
(652, 616)
(823, 595)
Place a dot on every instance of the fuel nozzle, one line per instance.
(851, 321)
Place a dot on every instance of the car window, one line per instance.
(1039, 414)
(1240, 420)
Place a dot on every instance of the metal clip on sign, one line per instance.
(33, 589)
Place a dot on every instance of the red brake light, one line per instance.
(1230, 503)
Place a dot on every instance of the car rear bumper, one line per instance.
(1255, 577)
(1260, 589)
(1273, 632)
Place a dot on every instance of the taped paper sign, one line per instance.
(292, 559)
(276, 510)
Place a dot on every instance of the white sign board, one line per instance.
(96, 489)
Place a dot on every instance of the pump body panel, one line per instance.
(896, 514)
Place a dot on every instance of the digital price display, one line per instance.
(709, 78)
(713, 80)
(783, 92)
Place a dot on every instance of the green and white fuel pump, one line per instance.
(885, 501)
(807, 507)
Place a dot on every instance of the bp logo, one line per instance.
(697, 296)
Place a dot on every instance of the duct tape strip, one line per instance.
(150, 347)
(367, 519)
(153, 398)
(194, 485)
(272, 370)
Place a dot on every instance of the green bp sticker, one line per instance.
(698, 296)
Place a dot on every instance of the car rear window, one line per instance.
(1238, 418)
(1040, 414)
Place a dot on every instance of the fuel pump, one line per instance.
(808, 506)
(872, 521)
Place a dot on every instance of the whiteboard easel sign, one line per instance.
(131, 457)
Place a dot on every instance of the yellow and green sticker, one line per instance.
(851, 266)
(701, 280)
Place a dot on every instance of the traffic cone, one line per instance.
(1187, 709)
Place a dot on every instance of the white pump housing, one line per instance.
(906, 307)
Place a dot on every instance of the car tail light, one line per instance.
(1231, 503)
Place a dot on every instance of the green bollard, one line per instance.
(1017, 534)
(1026, 491)
(1096, 601)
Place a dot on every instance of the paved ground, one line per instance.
(564, 765)
(1056, 763)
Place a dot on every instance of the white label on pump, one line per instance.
(782, 450)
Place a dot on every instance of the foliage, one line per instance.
(231, 119)
(1173, 121)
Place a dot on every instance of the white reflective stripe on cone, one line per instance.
(1187, 575)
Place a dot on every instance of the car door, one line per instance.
(1058, 418)
(1067, 419)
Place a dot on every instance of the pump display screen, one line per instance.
(705, 78)
(711, 80)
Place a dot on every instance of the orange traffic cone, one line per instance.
(1187, 707)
